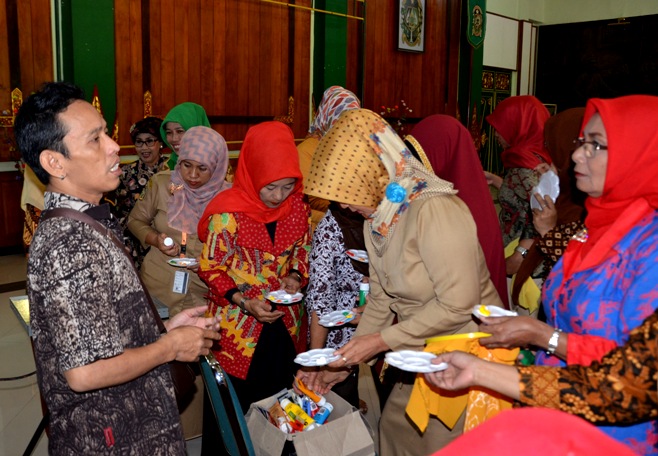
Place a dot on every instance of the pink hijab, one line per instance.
(206, 146)
(449, 148)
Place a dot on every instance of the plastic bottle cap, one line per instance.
(168, 242)
(364, 286)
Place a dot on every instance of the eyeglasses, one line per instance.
(148, 143)
(591, 147)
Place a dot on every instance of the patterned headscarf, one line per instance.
(268, 154)
(362, 161)
(335, 101)
(188, 115)
(206, 146)
(150, 125)
(520, 121)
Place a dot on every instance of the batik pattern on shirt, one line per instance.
(239, 253)
(134, 178)
(333, 283)
(620, 390)
(609, 300)
(87, 304)
(514, 198)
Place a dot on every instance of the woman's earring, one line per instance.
(62, 177)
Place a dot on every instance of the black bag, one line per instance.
(182, 374)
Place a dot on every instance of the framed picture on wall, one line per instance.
(411, 25)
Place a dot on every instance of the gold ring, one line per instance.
(344, 360)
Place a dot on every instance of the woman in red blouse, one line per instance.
(257, 241)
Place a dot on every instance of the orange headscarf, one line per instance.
(268, 154)
(520, 121)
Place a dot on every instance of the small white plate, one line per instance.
(549, 184)
(283, 297)
(183, 262)
(337, 318)
(414, 361)
(358, 255)
(493, 311)
(317, 357)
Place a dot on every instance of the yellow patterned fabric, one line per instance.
(362, 161)
(448, 407)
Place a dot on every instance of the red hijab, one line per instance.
(630, 191)
(558, 434)
(520, 121)
(449, 148)
(268, 154)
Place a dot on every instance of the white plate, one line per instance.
(317, 357)
(358, 255)
(183, 262)
(283, 297)
(414, 361)
(549, 184)
(493, 312)
(337, 318)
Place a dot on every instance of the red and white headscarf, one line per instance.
(335, 101)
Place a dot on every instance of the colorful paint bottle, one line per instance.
(323, 413)
(364, 289)
(295, 413)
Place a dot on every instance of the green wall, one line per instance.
(87, 35)
(330, 47)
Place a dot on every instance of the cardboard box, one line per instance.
(344, 433)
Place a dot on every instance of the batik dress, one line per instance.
(608, 301)
(334, 283)
(514, 198)
(134, 178)
(240, 254)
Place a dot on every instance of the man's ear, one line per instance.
(53, 163)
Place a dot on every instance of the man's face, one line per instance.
(92, 167)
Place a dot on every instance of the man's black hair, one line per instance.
(37, 126)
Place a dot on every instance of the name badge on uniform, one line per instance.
(181, 280)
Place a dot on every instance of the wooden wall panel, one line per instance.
(5, 77)
(129, 65)
(425, 81)
(235, 58)
(26, 59)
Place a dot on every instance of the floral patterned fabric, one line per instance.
(620, 390)
(514, 198)
(87, 304)
(239, 253)
(333, 283)
(132, 183)
(608, 301)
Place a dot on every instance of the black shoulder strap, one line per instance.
(65, 212)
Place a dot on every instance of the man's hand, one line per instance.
(195, 316)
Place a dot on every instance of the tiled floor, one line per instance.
(20, 407)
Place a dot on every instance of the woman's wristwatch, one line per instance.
(522, 250)
(553, 341)
(242, 306)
